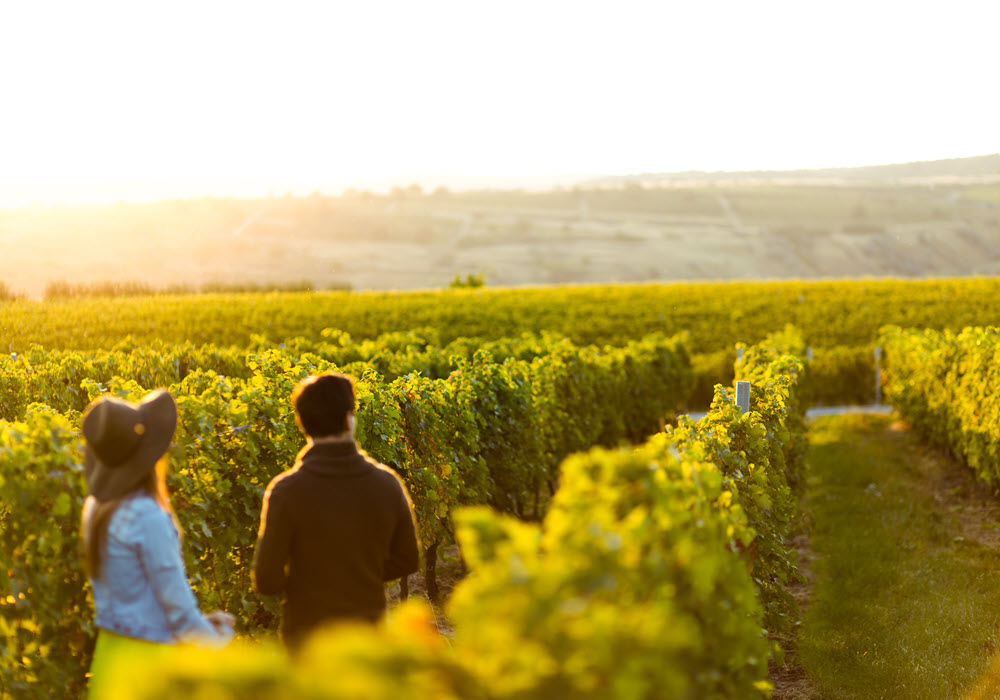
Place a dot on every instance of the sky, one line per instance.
(132, 100)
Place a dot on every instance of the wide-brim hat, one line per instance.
(125, 441)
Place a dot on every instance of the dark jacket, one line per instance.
(334, 528)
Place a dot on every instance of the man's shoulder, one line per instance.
(288, 477)
(284, 481)
(384, 472)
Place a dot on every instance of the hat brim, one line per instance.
(159, 416)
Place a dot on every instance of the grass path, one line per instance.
(905, 601)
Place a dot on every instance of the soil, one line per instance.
(790, 679)
(957, 492)
(450, 570)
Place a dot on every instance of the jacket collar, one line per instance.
(333, 459)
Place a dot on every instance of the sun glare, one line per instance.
(124, 101)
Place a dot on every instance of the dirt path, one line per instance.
(790, 679)
(901, 555)
(450, 571)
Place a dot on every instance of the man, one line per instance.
(337, 525)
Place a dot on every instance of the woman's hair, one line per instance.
(94, 525)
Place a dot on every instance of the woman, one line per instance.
(131, 540)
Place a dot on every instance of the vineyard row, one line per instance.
(832, 313)
(945, 385)
(490, 433)
(657, 571)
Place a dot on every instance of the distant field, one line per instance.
(984, 193)
(415, 240)
(829, 314)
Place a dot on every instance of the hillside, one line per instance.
(408, 239)
(975, 167)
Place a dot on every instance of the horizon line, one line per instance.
(166, 190)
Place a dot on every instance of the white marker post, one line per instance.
(739, 355)
(809, 354)
(878, 375)
(743, 396)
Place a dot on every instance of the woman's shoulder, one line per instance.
(139, 502)
(139, 509)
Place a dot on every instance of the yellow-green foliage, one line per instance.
(716, 314)
(629, 590)
(45, 616)
(488, 433)
(782, 388)
(657, 569)
(839, 376)
(843, 375)
(761, 455)
(711, 369)
(405, 658)
(945, 385)
(397, 333)
(642, 581)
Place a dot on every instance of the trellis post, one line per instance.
(878, 375)
(743, 396)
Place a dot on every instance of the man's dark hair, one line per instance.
(322, 402)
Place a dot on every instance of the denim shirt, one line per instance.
(143, 591)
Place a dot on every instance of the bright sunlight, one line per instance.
(109, 101)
